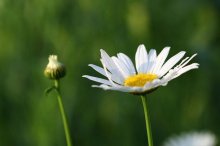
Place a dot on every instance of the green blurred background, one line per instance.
(75, 30)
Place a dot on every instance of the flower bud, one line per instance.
(54, 70)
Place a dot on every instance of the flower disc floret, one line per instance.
(139, 80)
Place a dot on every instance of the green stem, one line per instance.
(65, 124)
(147, 120)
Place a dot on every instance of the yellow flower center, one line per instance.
(139, 80)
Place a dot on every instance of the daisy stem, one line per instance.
(64, 119)
(147, 120)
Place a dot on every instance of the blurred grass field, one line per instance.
(76, 30)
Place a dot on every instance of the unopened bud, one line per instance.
(54, 70)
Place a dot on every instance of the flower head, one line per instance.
(150, 71)
(192, 139)
(54, 69)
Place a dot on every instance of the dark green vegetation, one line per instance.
(75, 30)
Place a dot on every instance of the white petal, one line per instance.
(170, 63)
(120, 88)
(192, 139)
(110, 65)
(160, 59)
(99, 80)
(182, 64)
(182, 61)
(127, 61)
(150, 85)
(103, 86)
(174, 73)
(106, 87)
(169, 76)
(98, 69)
(109, 75)
(121, 67)
(141, 59)
(102, 71)
(186, 68)
(151, 60)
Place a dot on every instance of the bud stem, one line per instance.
(64, 119)
(147, 120)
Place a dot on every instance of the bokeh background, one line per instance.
(75, 30)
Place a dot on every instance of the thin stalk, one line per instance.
(62, 111)
(147, 120)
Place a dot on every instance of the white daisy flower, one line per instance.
(192, 139)
(150, 71)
